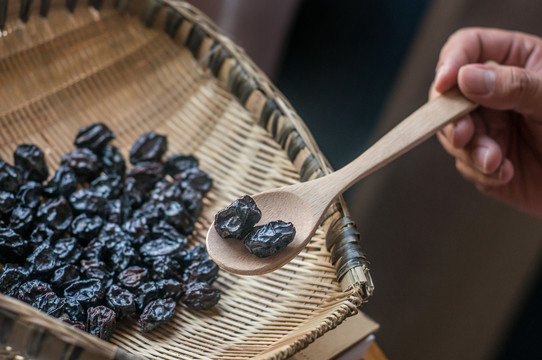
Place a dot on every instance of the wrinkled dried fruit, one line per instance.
(121, 301)
(270, 238)
(88, 292)
(12, 245)
(30, 290)
(101, 322)
(49, 303)
(112, 161)
(42, 261)
(195, 178)
(149, 147)
(29, 194)
(88, 202)
(200, 296)
(157, 313)
(84, 163)
(10, 178)
(201, 271)
(22, 220)
(30, 160)
(133, 277)
(67, 251)
(64, 276)
(238, 219)
(94, 137)
(86, 228)
(56, 213)
(12, 274)
(7, 203)
(64, 182)
(176, 164)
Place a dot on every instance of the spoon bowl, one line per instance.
(305, 204)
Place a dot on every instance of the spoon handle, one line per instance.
(413, 130)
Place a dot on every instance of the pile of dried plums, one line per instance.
(238, 221)
(97, 243)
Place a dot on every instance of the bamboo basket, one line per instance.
(143, 65)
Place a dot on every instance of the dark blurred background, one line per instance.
(456, 274)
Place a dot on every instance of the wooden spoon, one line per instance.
(304, 204)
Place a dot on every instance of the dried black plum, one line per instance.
(76, 324)
(84, 162)
(42, 233)
(30, 160)
(195, 178)
(151, 212)
(29, 194)
(270, 238)
(88, 292)
(107, 186)
(176, 215)
(146, 293)
(94, 137)
(86, 228)
(163, 230)
(42, 261)
(166, 191)
(115, 212)
(73, 310)
(67, 251)
(157, 313)
(148, 147)
(88, 202)
(163, 267)
(12, 245)
(64, 182)
(7, 203)
(137, 229)
(12, 274)
(101, 322)
(161, 247)
(192, 201)
(64, 276)
(22, 220)
(96, 269)
(201, 271)
(238, 219)
(177, 163)
(169, 288)
(133, 277)
(49, 303)
(56, 213)
(118, 252)
(200, 296)
(30, 290)
(10, 178)
(120, 300)
(146, 174)
(196, 253)
(133, 196)
(112, 161)
(94, 249)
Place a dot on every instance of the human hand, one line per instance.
(498, 147)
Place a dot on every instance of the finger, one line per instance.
(502, 87)
(476, 45)
(484, 182)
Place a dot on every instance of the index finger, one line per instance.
(476, 45)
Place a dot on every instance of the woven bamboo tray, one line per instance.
(161, 65)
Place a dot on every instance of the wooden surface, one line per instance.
(374, 353)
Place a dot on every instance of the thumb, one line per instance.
(502, 87)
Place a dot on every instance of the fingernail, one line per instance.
(478, 80)
(480, 156)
